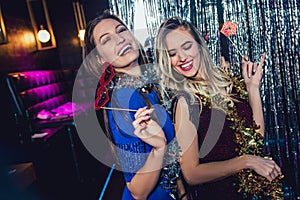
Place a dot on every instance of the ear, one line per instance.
(100, 60)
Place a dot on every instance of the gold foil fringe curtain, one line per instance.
(270, 26)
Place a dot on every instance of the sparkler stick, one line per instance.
(229, 29)
(123, 109)
(233, 44)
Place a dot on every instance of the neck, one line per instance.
(133, 69)
(199, 75)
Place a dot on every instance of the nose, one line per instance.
(182, 56)
(119, 38)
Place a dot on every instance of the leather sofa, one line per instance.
(34, 93)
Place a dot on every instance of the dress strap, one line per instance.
(193, 104)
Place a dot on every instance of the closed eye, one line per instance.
(122, 29)
(172, 53)
(187, 45)
(106, 39)
(108, 36)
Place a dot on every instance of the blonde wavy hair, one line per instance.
(214, 78)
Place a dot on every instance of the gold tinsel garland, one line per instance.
(250, 141)
(251, 185)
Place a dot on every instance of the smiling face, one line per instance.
(184, 52)
(115, 44)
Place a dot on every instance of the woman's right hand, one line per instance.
(263, 166)
(225, 65)
(148, 130)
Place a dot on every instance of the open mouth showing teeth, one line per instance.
(187, 66)
(124, 50)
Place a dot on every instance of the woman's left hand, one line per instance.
(252, 72)
(148, 130)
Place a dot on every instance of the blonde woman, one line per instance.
(208, 113)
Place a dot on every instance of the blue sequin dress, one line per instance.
(132, 152)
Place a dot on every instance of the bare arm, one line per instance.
(150, 132)
(252, 74)
(256, 105)
(197, 173)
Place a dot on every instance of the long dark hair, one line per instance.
(92, 65)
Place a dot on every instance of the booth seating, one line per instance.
(61, 161)
(42, 107)
(33, 92)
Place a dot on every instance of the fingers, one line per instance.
(266, 167)
(225, 64)
(273, 174)
(261, 63)
(143, 121)
(143, 112)
(142, 116)
(147, 129)
(273, 169)
(245, 67)
(222, 59)
(139, 111)
(249, 68)
(262, 60)
(278, 169)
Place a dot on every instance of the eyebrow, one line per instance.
(108, 33)
(180, 45)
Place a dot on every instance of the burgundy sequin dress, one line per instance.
(216, 141)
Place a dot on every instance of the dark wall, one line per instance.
(21, 54)
(93, 7)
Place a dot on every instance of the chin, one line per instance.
(132, 57)
(124, 62)
(189, 74)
